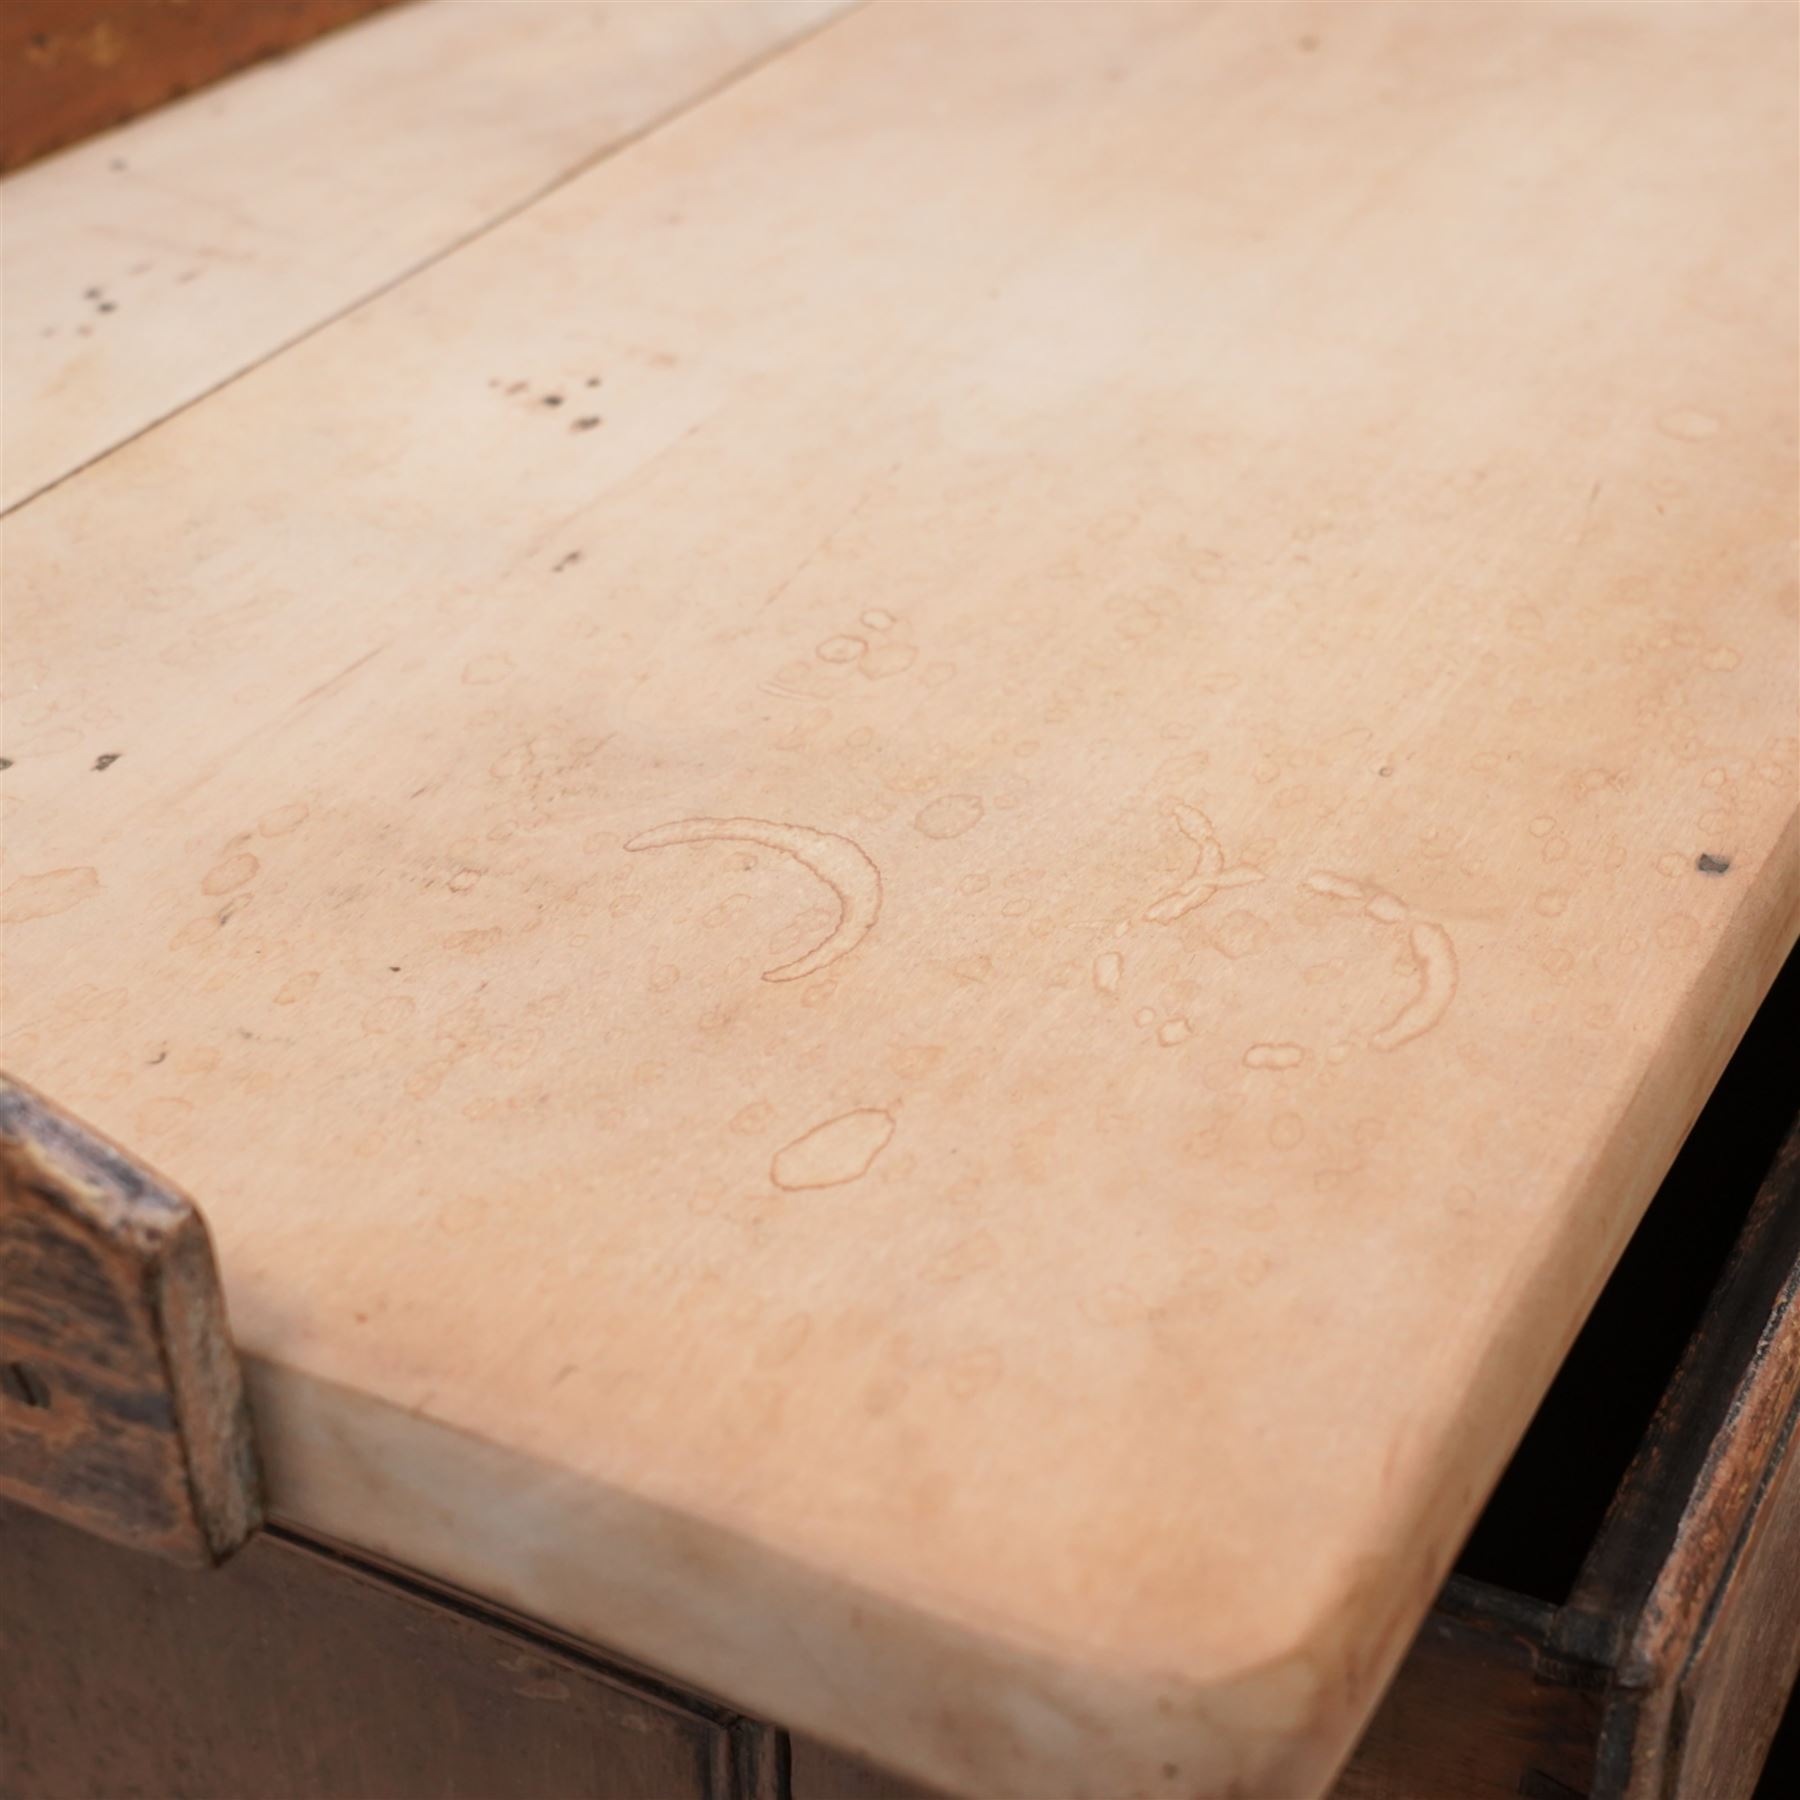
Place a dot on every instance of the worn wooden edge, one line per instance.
(145, 1342)
(1618, 1693)
(1664, 1589)
(1737, 1682)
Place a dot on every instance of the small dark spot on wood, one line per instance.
(118, 165)
(1385, 769)
(161, 1056)
(6, 762)
(23, 1385)
(586, 424)
(1170, 1771)
(574, 556)
(108, 306)
(393, 968)
(592, 381)
(1309, 42)
(106, 761)
(360, 1318)
(1713, 865)
(92, 293)
(551, 400)
(566, 1370)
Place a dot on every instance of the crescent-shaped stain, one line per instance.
(1434, 956)
(842, 865)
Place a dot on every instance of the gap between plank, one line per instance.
(629, 140)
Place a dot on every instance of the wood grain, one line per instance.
(121, 1406)
(1481, 1709)
(74, 67)
(147, 267)
(1282, 572)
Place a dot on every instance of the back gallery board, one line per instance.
(921, 887)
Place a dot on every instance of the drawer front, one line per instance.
(293, 1674)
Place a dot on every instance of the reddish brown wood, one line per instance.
(1693, 1587)
(121, 1406)
(69, 68)
(1482, 1709)
(1729, 1697)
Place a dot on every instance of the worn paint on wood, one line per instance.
(121, 1407)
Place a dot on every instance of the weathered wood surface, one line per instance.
(121, 1406)
(923, 887)
(145, 268)
(69, 68)
(1669, 1666)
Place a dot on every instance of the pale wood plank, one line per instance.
(1322, 481)
(147, 266)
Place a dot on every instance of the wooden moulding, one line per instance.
(70, 68)
(121, 1405)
